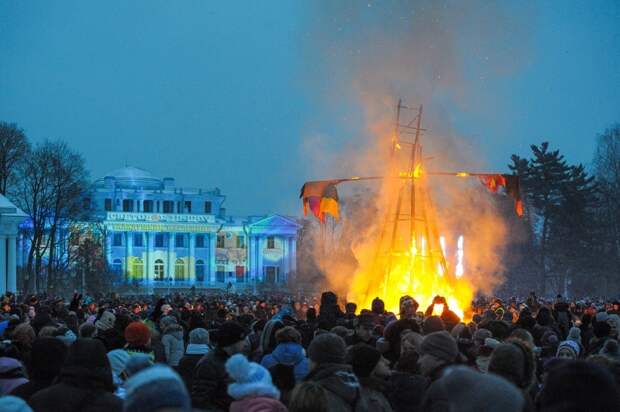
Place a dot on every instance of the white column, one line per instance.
(3, 279)
(293, 254)
(147, 263)
(12, 272)
(191, 262)
(259, 252)
(251, 256)
(212, 240)
(128, 253)
(285, 262)
(108, 248)
(20, 250)
(171, 255)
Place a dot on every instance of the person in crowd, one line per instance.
(23, 337)
(406, 387)
(84, 384)
(210, 382)
(198, 347)
(515, 361)
(438, 351)
(156, 389)
(107, 332)
(578, 386)
(372, 371)
(47, 358)
(12, 374)
(268, 336)
(118, 359)
(308, 397)
(252, 388)
(138, 338)
(288, 352)
(172, 341)
(364, 330)
(327, 367)
(568, 349)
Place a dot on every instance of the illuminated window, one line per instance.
(208, 208)
(241, 242)
(107, 205)
(127, 205)
(220, 241)
(159, 269)
(147, 206)
(137, 268)
(117, 239)
(200, 270)
(200, 241)
(179, 270)
(271, 242)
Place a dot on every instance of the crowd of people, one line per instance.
(236, 352)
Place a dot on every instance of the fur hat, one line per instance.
(363, 358)
(156, 388)
(199, 336)
(433, 324)
(441, 345)
(251, 379)
(105, 321)
(327, 348)
(229, 334)
(515, 361)
(137, 334)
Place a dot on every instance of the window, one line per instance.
(159, 269)
(168, 206)
(137, 269)
(86, 203)
(188, 206)
(147, 206)
(159, 240)
(179, 270)
(220, 241)
(179, 240)
(220, 273)
(127, 205)
(107, 205)
(200, 270)
(208, 208)
(138, 240)
(200, 241)
(240, 274)
(117, 239)
(241, 242)
(271, 274)
(271, 242)
(117, 266)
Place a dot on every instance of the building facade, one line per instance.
(10, 218)
(160, 235)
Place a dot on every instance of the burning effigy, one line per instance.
(408, 254)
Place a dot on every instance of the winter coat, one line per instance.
(188, 362)
(210, 384)
(140, 350)
(174, 346)
(111, 338)
(257, 404)
(406, 391)
(373, 391)
(289, 354)
(341, 386)
(11, 375)
(28, 389)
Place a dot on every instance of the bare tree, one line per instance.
(13, 148)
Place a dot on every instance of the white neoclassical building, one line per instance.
(10, 218)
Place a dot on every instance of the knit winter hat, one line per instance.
(10, 403)
(154, 389)
(327, 348)
(251, 379)
(137, 334)
(571, 346)
(363, 358)
(230, 333)
(118, 359)
(441, 345)
(492, 393)
(574, 335)
(433, 324)
(199, 336)
(515, 361)
(106, 321)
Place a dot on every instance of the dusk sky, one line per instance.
(231, 94)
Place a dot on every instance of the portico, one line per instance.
(10, 218)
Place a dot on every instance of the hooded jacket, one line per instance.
(210, 382)
(341, 386)
(289, 354)
(173, 344)
(187, 364)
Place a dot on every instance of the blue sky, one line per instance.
(227, 94)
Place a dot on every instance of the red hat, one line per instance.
(137, 334)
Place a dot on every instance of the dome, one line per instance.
(132, 178)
